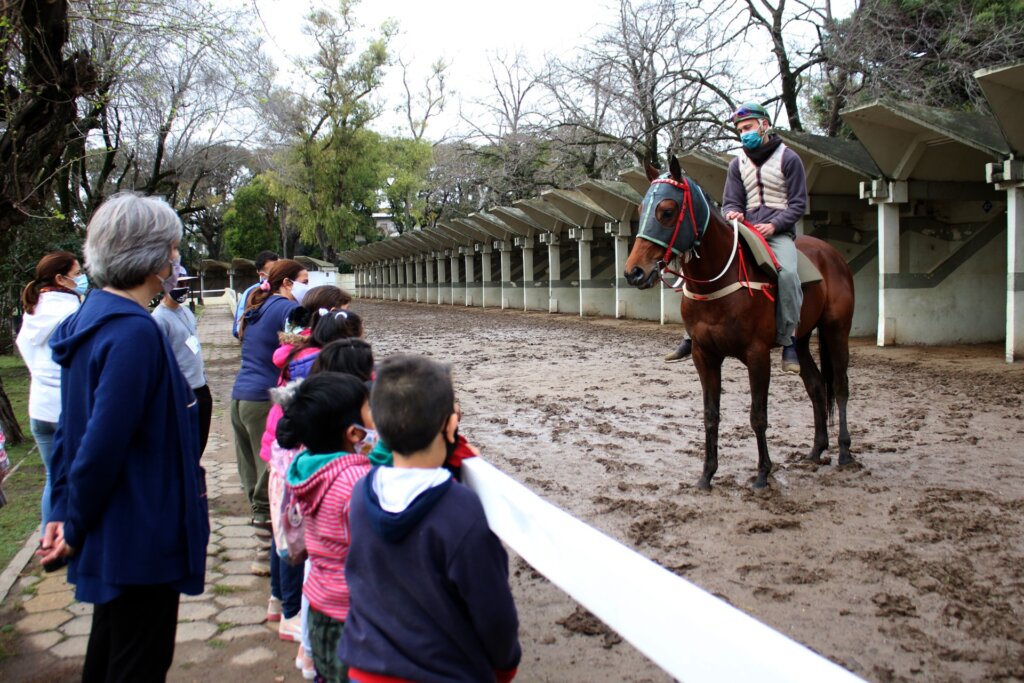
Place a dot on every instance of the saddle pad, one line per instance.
(805, 270)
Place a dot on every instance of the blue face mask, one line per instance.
(751, 139)
(81, 283)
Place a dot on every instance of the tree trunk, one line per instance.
(12, 430)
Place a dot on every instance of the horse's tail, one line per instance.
(827, 375)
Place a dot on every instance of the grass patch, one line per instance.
(216, 644)
(24, 487)
(220, 589)
(224, 626)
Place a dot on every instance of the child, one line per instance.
(330, 415)
(427, 577)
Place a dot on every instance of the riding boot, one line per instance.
(790, 361)
(682, 351)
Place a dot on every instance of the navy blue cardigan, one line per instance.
(126, 476)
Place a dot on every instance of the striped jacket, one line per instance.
(323, 485)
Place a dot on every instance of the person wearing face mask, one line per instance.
(266, 313)
(263, 261)
(52, 296)
(766, 186)
(179, 324)
(129, 508)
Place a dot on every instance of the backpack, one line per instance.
(293, 550)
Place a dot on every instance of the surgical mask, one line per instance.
(81, 283)
(299, 290)
(172, 280)
(450, 446)
(751, 139)
(367, 443)
(179, 294)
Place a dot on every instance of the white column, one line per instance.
(410, 282)
(887, 196)
(454, 272)
(418, 275)
(620, 232)
(440, 277)
(486, 275)
(585, 237)
(468, 255)
(554, 270)
(527, 268)
(1015, 273)
(506, 270)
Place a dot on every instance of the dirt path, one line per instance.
(910, 567)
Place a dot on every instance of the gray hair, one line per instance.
(129, 238)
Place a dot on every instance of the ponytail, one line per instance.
(47, 270)
(277, 273)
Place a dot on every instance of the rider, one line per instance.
(767, 187)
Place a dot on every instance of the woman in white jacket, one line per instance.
(50, 298)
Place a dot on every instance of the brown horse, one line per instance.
(677, 222)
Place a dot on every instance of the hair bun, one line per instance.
(287, 435)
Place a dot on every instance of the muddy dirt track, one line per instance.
(909, 566)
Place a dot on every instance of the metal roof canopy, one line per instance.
(457, 233)
(1004, 89)
(314, 264)
(636, 178)
(546, 215)
(616, 199)
(708, 170)
(578, 207)
(492, 225)
(474, 231)
(834, 166)
(517, 220)
(444, 238)
(926, 143)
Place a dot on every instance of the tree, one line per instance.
(253, 222)
(408, 162)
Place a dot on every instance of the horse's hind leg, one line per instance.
(814, 383)
(840, 349)
(759, 372)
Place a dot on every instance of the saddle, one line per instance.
(765, 259)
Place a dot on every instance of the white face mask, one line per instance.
(299, 290)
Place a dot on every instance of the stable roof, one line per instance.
(834, 166)
(1004, 89)
(578, 207)
(616, 199)
(315, 264)
(914, 141)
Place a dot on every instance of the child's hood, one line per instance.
(310, 476)
(397, 499)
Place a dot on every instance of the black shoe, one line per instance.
(682, 351)
(790, 361)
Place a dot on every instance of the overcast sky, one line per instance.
(463, 32)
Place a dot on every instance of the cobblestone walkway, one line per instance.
(222, 634)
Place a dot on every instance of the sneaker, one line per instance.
(273, 609)
(304, 663)
(682, 351)
(790, 361)
(261, 523)
(290, 629)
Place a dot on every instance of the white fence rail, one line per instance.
(692, 635)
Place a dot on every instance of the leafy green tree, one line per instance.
(408, 162)
(253, 222)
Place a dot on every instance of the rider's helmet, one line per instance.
(750, 110)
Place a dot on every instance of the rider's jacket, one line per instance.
(767, 188)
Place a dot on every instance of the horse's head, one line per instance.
(662, 221)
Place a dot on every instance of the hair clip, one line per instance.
(322, 311)
(265, 285)
(343, 314)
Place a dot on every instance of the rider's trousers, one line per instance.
(790, 296)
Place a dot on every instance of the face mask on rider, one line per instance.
(752, 138)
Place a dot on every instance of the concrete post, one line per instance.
(886, 195)
(468, 255)
(441, 279)
(587, 293)
(527, 243)
(397, 280)
(487, 289)
(418, 274)
(454, 255)
(621, 237)
(1015, 273)
(554, 270)
(506, 271)
(410, 282)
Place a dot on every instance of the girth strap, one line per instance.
(765, 288)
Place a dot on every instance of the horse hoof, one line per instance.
(760, 484)
(817, 459)
(848, 463)
(704, 485)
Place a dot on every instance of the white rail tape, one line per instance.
(688, 632)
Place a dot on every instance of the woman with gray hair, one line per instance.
(129, 509)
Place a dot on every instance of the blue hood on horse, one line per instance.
(691, 218)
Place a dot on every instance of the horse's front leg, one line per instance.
(710, 371)
(759, 370)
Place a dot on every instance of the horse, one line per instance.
(729, 311)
